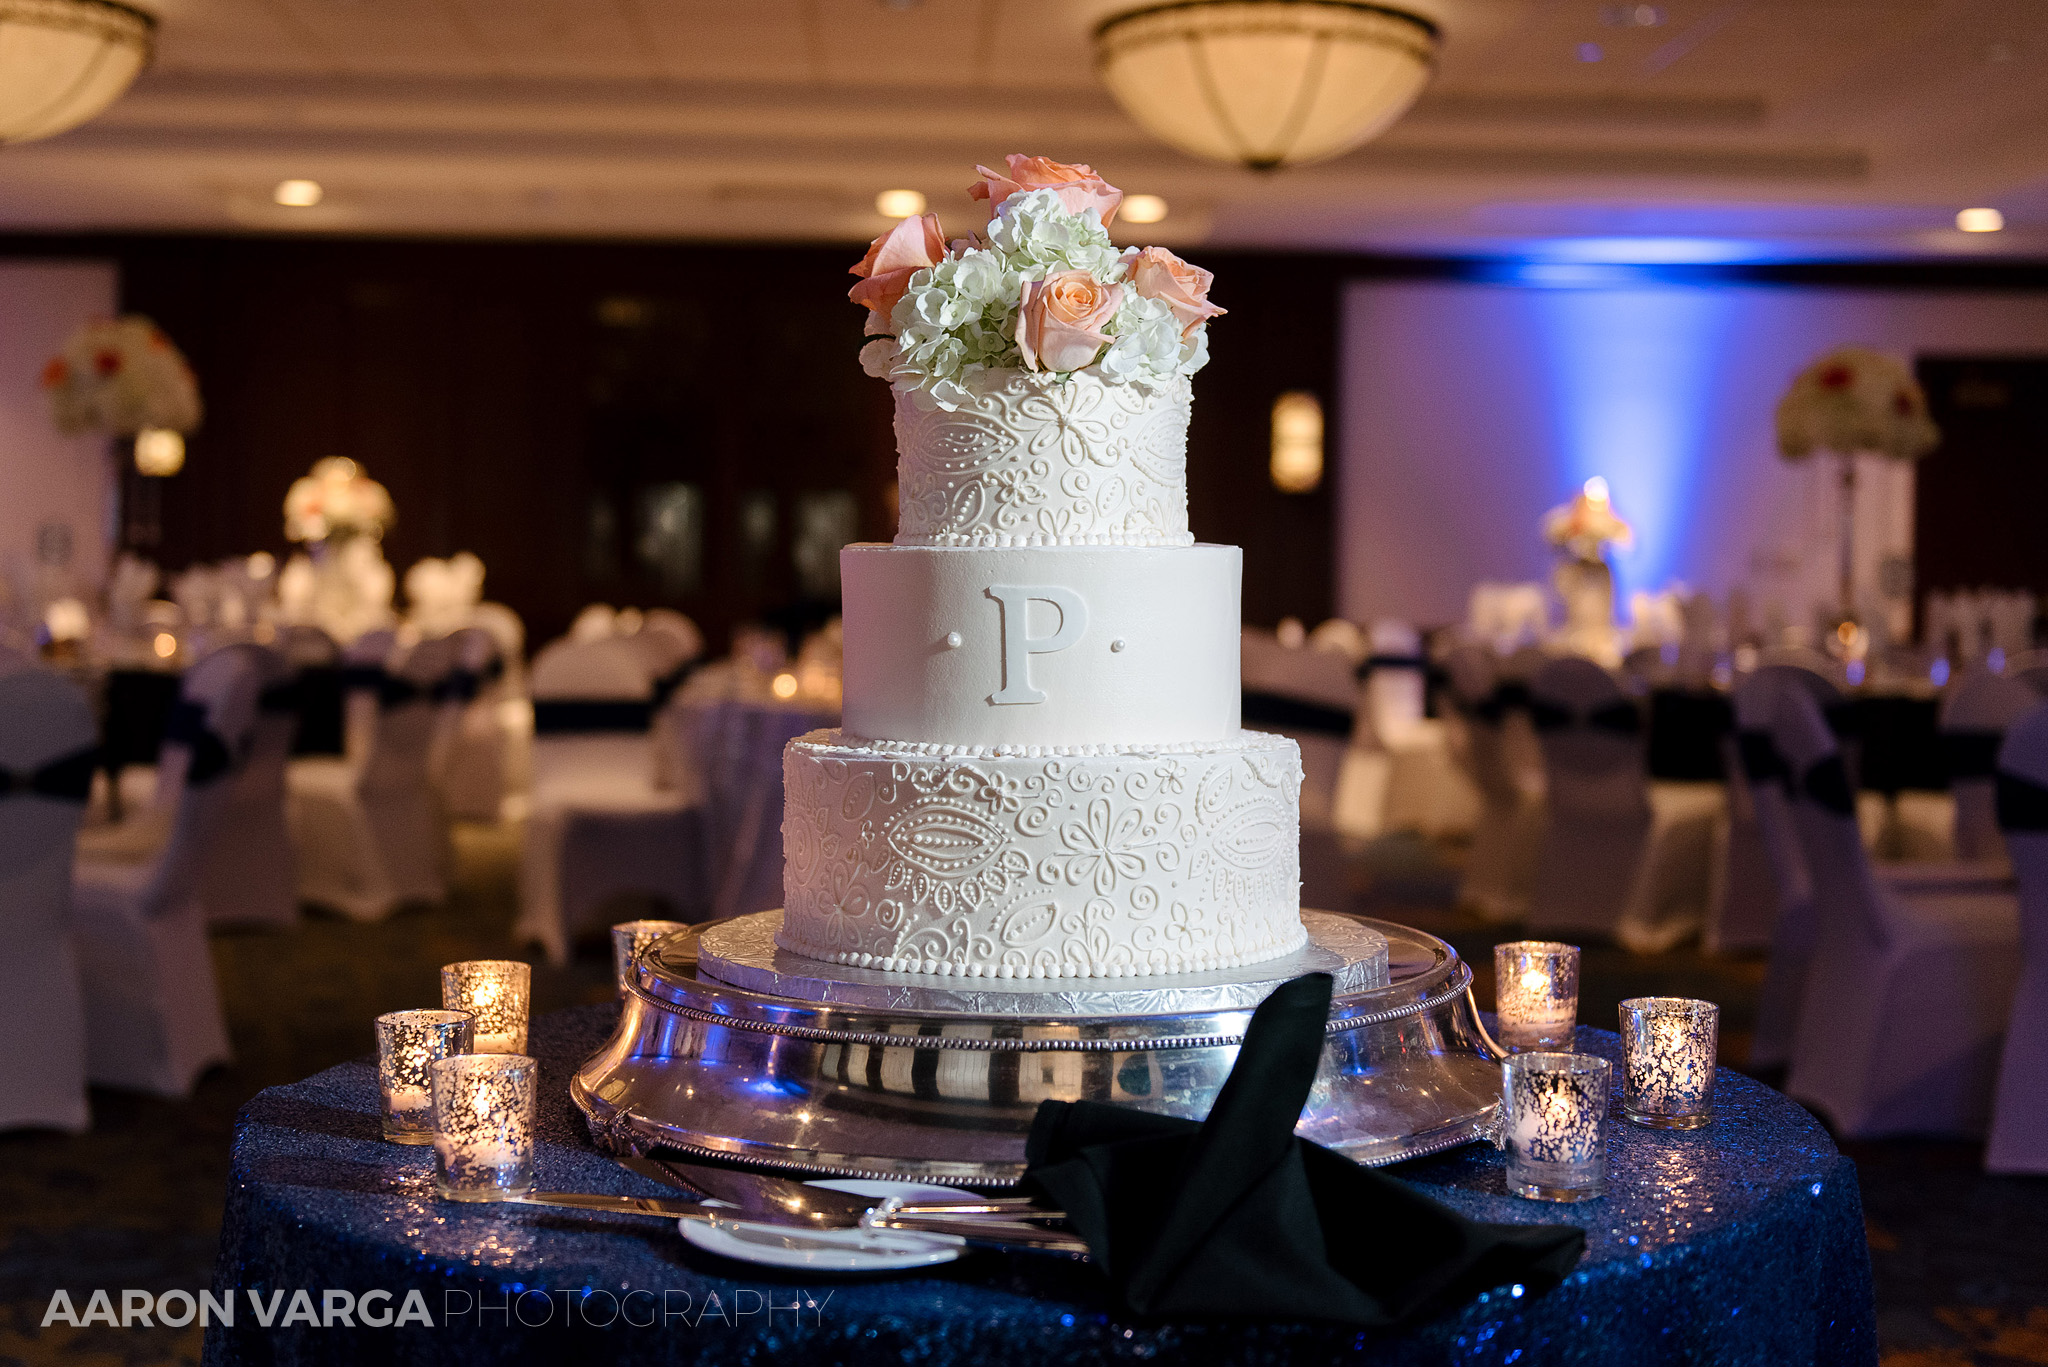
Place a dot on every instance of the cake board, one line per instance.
(730, 1048)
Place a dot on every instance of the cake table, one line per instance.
(1741, 1243)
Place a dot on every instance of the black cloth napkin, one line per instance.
(1235, 1216)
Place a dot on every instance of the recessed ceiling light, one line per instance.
(899, 203)
(298, 194)
(1980, 220)
(1142, 209)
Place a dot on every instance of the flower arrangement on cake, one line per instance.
(336, 500)
(121, 375)
(1854, 400)
(1042, 289)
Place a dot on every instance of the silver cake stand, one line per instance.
(730, 1047)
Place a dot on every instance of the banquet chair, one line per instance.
(152, 1008)
(470, 753)
(1398, 774)
(1490, 736)
(730, 740)
(1760, 774)
(369, 826)
(1908, 990)
(1974, 717)
(47, 747)
(1311, 697)
(2019, 1110)
(1620, 856)
(598, 825)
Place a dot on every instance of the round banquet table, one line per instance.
(1739, 1243)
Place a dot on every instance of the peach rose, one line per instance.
(1060, 320)
(892, 258)
(1078, 185)
(1157, 273)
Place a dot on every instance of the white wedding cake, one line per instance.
(1041, 772)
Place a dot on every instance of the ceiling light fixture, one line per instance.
(63, 61)
(298, 194)
(1141, 209)
(1980, 220)
(899, 203)
(1266, 83)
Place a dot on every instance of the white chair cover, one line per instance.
(251, 875)
(1496, 746)
(1398, 774)
(2019, 1112)
(1759, 774)
(1316, 695)
(471, 759)
(153, 1017)
(46, 727)
(598, 825)
(733, 745)
(1620, 856)
(1908, 992)
(369, 827)
(1974, 716)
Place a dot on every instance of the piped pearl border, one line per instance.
(1175, 964)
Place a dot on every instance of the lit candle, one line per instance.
(496, 992)
(408, 1044)
(484, 1107)
(631, 937)
(1668, 1047)
(1554, 1124)
(1536, 993)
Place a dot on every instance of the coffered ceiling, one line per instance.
(1687, 130)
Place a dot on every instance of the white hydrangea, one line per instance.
(957, 321)
(1032, 229)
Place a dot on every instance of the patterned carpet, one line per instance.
(1961, 1271)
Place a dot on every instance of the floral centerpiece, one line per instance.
(122, 376)
(1042, 289)
(336, 500)
(1853, 401)
(1585, 527)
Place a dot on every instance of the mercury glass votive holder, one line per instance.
(1668, 1047)
(1554, 1122)
(409, 1043)
(1536, 994)
(496, 992)
(629, 938)
(484, 1106)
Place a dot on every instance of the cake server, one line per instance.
(756, 1193)
(980, 1233)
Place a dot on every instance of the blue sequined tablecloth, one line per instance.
(1742, 1243)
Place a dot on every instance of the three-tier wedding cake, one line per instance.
(1041, 771)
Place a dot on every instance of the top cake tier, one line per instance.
(1042, 460)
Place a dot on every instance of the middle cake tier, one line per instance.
(1034, 646)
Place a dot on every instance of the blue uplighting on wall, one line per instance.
(1632, 374)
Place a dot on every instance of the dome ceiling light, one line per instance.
(1266, 83)
(63, 61)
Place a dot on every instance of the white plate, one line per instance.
(834, 1250)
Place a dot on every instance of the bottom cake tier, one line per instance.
(1097, 862)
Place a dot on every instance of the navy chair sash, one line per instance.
(1294, 714)
(2022, 803)
(1372, 662)
(211, 757)
(67, 778)
(462, 685)
(1504, 699)
(1761, 762)
(1971, 754)
(1826, 785)
(559, 716)
(1616, 718)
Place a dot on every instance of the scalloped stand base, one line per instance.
(742, 952)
